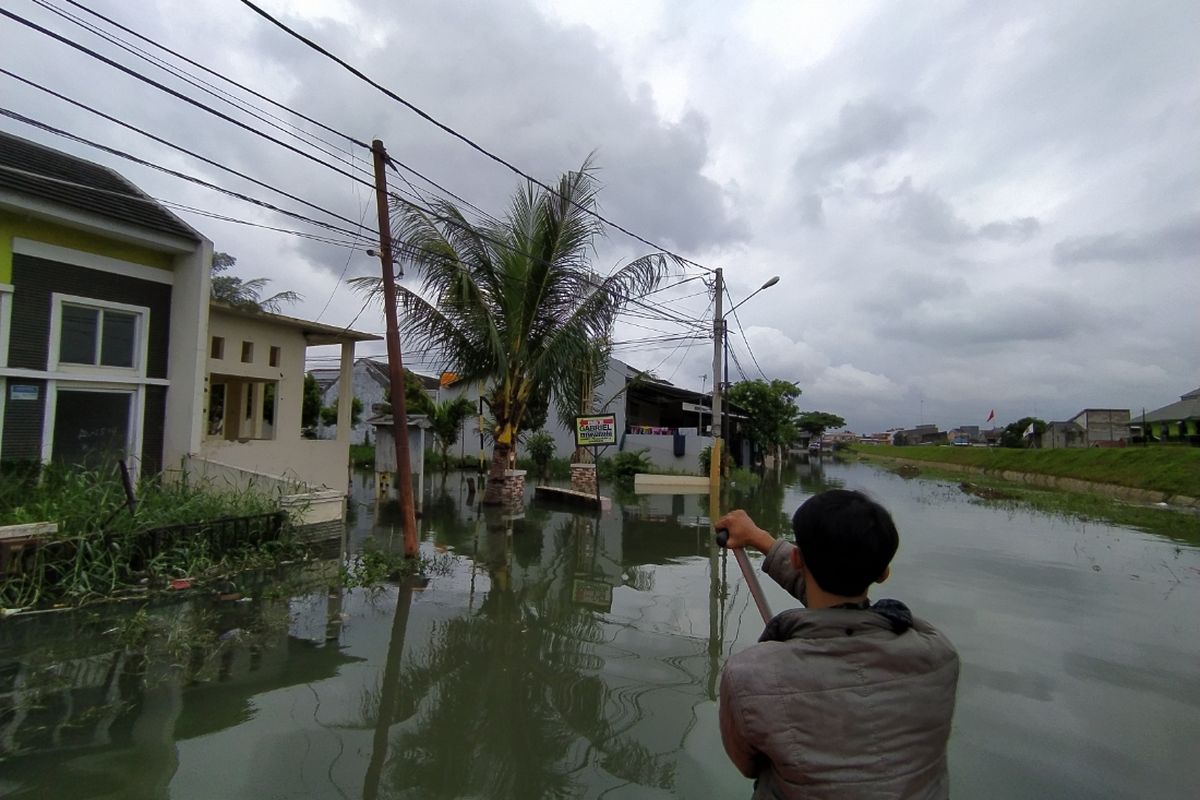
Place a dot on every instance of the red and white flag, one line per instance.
(991, 415)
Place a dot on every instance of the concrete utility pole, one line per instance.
(403, 480)
(714, 461)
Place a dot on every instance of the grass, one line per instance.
(1181, 525)
(1173, 470)
(102, 551)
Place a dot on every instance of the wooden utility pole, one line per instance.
(403, 480)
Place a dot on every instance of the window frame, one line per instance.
(141, 316)
(137, 415)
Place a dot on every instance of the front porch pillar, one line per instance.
(345, 392)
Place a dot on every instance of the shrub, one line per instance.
(623, 466)
(706, 457)
(540, 447)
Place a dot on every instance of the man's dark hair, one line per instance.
(846, 538)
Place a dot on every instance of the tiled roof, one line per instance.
(29, 157)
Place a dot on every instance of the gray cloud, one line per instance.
(973, 319)
(1179, 240)
(866, 131)
(1021, 229)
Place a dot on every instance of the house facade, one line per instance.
(1103, 427)
(1175, 422)
(253, 397)
(103, 299)
(670, 423)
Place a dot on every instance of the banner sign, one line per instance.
(595, 431)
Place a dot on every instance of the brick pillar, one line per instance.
(514, 487)
(583, 478)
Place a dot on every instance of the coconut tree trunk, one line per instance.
(493, 495)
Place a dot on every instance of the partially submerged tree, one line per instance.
(515, 301)
(329, 414)
(770, 409)
(817, 422)
(446, 419)
(234, 291)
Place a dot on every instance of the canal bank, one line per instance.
(1066, 483)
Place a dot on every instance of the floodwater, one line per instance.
(562, 655)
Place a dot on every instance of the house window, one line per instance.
(99, 334)
(92, 428)
(247, 352)
(218, 347)
(273, 360)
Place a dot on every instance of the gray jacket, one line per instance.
(840, 703)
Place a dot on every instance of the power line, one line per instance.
(177, 147)
(141, 198)
(461, 137)
(122, 154)
(179, 95)
(745, 338)
(216, 74)
(245, 107)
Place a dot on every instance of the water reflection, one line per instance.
(568, 655)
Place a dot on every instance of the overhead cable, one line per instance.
(179, 95)
(461, 137)
(179, 148)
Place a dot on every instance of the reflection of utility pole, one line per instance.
(389, 691)
(714, 617)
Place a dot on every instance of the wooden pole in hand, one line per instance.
(395, 362)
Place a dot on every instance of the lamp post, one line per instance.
(715, 454)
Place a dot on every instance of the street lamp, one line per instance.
(774, 280)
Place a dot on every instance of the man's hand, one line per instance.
(743, 532)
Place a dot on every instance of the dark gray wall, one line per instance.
(35, 279)
(22, 434)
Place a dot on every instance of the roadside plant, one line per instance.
(514, 302)
(540, 448)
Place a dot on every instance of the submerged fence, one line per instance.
(103, 564)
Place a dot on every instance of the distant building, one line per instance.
(1175, 422)
(1060, 435)
(1103, 427)
(922, 434)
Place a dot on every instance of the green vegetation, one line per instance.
(771, 411)
(621, 467)
(329, 414)
(515, 302)
(817, 422)
(540, 447)
(446, 419)
(102, 551)
(375, 566)
(234, 291)
(1169, 522)
(1173, 470)
(362, 456)
(705, 459)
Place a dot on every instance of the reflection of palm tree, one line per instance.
(507, 702)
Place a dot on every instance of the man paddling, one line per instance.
(840, 699)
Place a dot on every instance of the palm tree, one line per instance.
(234, 291)
(514, 301)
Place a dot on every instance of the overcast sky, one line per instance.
(971, 206)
